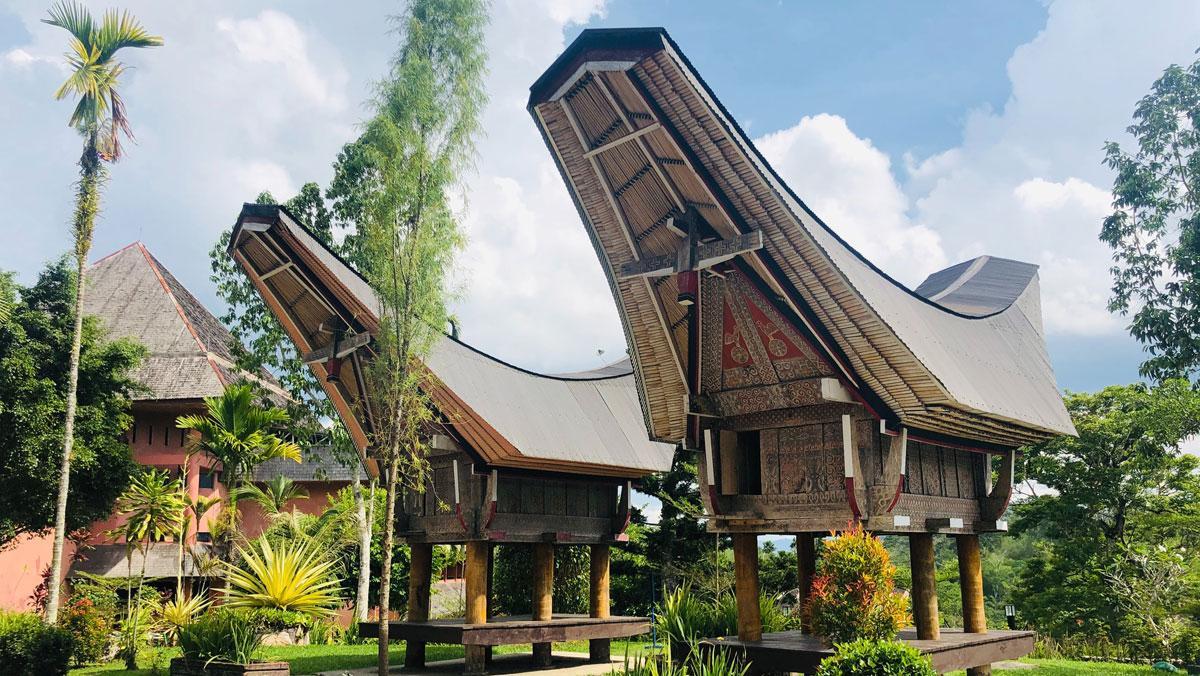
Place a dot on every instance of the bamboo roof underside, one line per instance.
(639, 139)
(587, 423)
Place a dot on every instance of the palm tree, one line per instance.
(153, 509)
(99, 117)
(274, 495)
(239, 433)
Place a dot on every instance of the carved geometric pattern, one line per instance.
(747, 344)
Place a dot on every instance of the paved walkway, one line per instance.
(565, 664)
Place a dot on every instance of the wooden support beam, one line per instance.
(970, 576)
(621, 141)
(745, 570)
(419, 574)
(924, 586)
(543, 596)
(599, 649)
(806, 563)
(476, 592)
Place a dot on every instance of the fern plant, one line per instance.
(295, 576)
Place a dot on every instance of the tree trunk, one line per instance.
(364, 549)
(64, 472)
(385, 573)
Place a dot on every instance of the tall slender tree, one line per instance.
(99, 117)
(416, 147)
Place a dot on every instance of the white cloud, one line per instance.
(274, 38)
(19, 57)
(848, 182)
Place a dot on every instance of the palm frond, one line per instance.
(118, 31)
(75, 19)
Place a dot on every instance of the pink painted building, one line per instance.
(189, 359)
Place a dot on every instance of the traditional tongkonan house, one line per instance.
(517, 457)
(818, 390)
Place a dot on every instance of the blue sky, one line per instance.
(925, 133)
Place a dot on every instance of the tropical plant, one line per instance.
(224, 635)
(868, 657)
(293, 577)
(274, 495)
(99, 116)
(853, 593)
(697, 663)
(241, 434)
(178, 613)
(684, 617)
(152, 508)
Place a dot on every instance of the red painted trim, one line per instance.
(854, 509)
(896, 498)
(712, 498)
(458, 512)
(491, 514)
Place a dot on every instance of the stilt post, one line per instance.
(599, 649)
(476, 592)
(543, 596)
(924, 586)
(745, 567)
(970, 576)
(806, 562)
(419, 574)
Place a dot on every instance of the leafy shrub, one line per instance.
(1186, 648)
(853, 593)
(274, 619)
(514, 570)
(324, 632)
(866, 657)
(30, 647)
(90, 626)
(292, 576)
(224, 635)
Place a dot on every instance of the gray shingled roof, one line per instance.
(136, 297)
(111, 561)
(319, 465)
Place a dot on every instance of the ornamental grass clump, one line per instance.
(293, 576)
(853, 593)
(225, 635)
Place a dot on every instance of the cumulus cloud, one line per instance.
(274, 38)
(849, 183)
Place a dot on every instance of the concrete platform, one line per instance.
(794, 651)
(565, 664)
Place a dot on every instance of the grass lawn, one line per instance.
(314, 658)
(310, 659)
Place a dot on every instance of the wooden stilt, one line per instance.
(419, 571)
(745, 568)
(924, 586)
(806, 563)
(970, 576)
(599, 649)
(543, 596)
(476, 583)
(491, 569)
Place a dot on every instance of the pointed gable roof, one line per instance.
(189, 350)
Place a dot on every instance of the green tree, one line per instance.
(1121, 490)
(99, 117)
(241, 434)
(418, 143)
(152, 508)
(35, 345)
(1154, 229)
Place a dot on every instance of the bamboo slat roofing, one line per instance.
(639, 138)
(585, 423)
(136, 297)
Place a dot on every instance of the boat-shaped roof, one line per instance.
(640, 140)
(582, 423)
